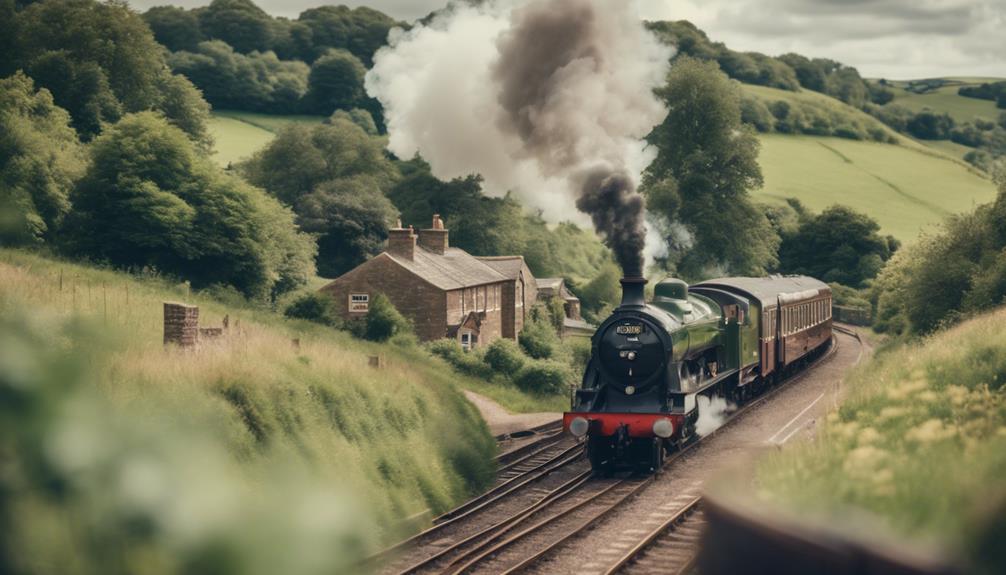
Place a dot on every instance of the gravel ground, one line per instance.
(788, 415)
(501, 421)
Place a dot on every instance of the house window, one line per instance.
(468, 340)
(359, 302)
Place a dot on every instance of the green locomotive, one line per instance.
(651, 362)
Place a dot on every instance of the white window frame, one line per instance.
(359, 302)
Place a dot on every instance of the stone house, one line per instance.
(573, 324)
(444, 291)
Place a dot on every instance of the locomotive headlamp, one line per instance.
(578, 427)
(663, 428)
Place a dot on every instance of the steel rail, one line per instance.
(666, 527)
(484, 500)
(593, 519)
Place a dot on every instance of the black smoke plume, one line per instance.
(611, 200)
(544, 58)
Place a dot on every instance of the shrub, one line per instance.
(538, 339)
(543, 377)
(470, 363)
(315, 307)
(383, 321)
(504, 357)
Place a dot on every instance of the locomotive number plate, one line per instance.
(629, 329)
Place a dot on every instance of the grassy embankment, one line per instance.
(400, 438)
(919, 442)
(905, 186)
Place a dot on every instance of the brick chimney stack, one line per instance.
(434, 239)
(402, 241)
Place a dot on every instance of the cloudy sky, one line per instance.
(898, 39)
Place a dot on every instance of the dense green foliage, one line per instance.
(149, 199)
(544, 377)
(258, 82)
(334, 176)
(838, 245)
(314, 306)
(995, 91)
(705, 166)
(957, 272)
(767, 113)
(504, 356)
(336, 83)
(786, 72)
(40, 161)
(98, 60)
(916, 447)
(244, 59)
(383, 321)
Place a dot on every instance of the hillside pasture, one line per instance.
(946, 100)
(905, 188)
(238, 135)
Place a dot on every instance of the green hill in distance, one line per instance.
(906, 188)
(943, 97)
(238, 135)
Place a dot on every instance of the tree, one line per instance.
(839, 245)
(111, 36)
(480, 225)
(334, 176)
(176, 28)
(149, 198)
(335, 82)
(704, 148)
(240, 23)
(99, 61)
(40, 160)
(257, 82)
(361, 30)
(350, 217)
(302, 157)
(929, 125)
(184, 107)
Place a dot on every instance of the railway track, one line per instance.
(528, 533)
(670, 548)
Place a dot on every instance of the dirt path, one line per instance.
(501, 421)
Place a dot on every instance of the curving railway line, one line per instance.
(547, 496)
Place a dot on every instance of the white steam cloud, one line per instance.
(541, 97)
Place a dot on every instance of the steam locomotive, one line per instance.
(652, 365)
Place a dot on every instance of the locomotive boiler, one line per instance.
(651, 363)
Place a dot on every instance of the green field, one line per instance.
(238, 135)
(818, 104)
(906, 188)
(945, 99)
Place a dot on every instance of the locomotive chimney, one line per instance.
(633, 291)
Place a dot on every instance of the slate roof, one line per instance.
(455, 269)
(767, 290)
(509, 266)
(548, 283)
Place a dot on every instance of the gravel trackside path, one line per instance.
(501, 421)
